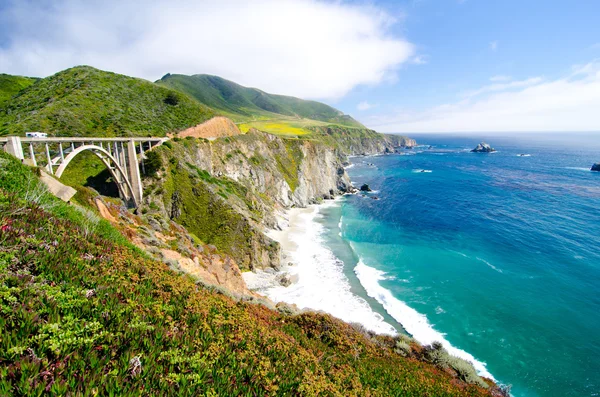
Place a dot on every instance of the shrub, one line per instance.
(171, 99)
(465, 371)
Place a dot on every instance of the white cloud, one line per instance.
(364, 105)
(494, 45)
(420, 60)
(500, 78)
(503, 86)
(569, 103)
(307, 48)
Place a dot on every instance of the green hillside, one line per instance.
(11, 85)
(83, 101)
(250, 104)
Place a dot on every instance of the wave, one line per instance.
(413, 322)
(489, 264)
(349, 166)
(523, 155)
(321, 282)
(479, 259)
(418, 170)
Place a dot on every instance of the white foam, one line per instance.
(490, 265)
(322, 284)
(418, 170)
(414, 322)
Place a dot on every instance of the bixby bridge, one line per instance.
(124, 157)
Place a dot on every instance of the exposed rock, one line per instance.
(63, 192)
(596, 167)
(365, 188)
(284, 280)
(483, 148)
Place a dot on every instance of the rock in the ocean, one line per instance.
(596, 167)
(365, 188)
(483, 148)
(285, 280)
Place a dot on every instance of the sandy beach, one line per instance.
(317, 276)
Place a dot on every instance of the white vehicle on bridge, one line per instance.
(36, 135)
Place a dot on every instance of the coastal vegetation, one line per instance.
(11, 85)
(83, 311)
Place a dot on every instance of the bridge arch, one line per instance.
(116, 170)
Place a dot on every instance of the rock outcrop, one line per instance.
(365, 188)
(483, 148)
(227, 191)
(596, 167)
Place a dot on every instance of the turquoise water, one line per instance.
(500, 253)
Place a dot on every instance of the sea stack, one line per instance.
(596, 167)
(483, 148)
(365, 188)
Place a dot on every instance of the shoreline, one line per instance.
(316, 276)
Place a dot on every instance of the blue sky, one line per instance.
(466, 44)
(397, 66)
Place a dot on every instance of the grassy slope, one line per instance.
(79, 306)
(268, 112)
(84, 101)
(11, 85)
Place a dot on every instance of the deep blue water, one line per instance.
(500, 252)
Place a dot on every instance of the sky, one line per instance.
(396, 66)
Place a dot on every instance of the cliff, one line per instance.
(352, 141)
(227, 191)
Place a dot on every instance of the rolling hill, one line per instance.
(84, 101)
(11, 85)
(251, 105)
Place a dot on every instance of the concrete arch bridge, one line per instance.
(124, 157)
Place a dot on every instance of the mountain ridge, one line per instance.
(246, 103)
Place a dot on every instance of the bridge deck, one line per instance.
(84, 139)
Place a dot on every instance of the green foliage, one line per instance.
(250, 103)
(289, 163)
(84, 101)
(85, 313)
(438, 356)
(12, 85)
(152, 163)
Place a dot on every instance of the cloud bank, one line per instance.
(570, 103)
(306, 48)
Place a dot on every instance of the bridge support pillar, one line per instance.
(14, 147)
(134, 172)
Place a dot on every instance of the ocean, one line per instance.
(495, 255)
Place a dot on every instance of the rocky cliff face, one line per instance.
(350, 141)
(227, 191)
